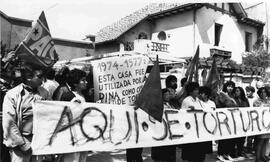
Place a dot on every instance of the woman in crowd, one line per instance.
(165, 153)
(62, 92)
(261, 140)
(204, 95)
(193, 152)
(76, 83)
(225, 100)
(241, 101)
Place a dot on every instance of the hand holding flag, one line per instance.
(38, 47)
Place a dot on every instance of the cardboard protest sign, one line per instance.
(63, 127)
(38, 47)
(117, 80)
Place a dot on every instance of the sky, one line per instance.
(74, 19)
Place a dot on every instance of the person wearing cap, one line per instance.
(18, 114)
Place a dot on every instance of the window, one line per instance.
(218, 29)
(142, 35)
(162, 36)
(248, 41)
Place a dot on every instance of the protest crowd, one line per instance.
(24, 82)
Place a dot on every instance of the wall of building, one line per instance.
(179, 31)
(12, 34)
(129, 36)
(68, 49)
(232, 35)
(133, 33)
(106, 48)
(68, 53)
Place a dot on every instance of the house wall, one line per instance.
(69, 49)
(129, 36)
(179, 30)
(106, 48)
(232, 35)
(68, 53)
(12, 34)
(183, 35)
(133, 33)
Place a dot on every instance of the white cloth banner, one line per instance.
(117, 80)
(63, 127)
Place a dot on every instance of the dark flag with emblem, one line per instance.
(38, 47)
(150, 98)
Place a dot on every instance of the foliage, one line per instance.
(260, 56)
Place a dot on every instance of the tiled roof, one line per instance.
(113, 31)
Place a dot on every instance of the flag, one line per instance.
(213, 79)
(150, 98)
(38, 47)
(193, 67)
(192, 70)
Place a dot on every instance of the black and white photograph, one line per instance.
(134, 81)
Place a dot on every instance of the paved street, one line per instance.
(120, 156)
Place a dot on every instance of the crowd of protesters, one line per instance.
(201, 98)
(21, 84)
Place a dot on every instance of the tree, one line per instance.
(260, 56)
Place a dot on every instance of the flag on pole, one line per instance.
(213, 79)
(38, 47)
(193, 67)
(192, 70)
(150, 98)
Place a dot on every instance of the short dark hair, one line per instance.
(228, 83)
(169, 79)
(250, 88)
(74, 77)
(191, 87)
(206, 90)
(50, 73)
(183, 81)
(61, 75)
